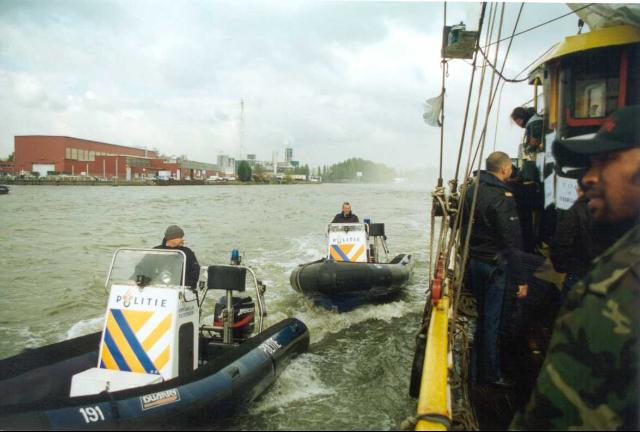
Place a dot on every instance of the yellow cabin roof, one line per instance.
(610, 36)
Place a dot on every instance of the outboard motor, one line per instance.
(243, 309)
(377, 241)
(243, 316)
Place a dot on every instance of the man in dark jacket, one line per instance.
(346, 216)
(495, 235)
(174, 239)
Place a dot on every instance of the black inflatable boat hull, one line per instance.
(343, 286)
(32, 397)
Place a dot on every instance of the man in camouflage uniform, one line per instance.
(589, 379)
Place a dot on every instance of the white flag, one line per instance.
(432, 110)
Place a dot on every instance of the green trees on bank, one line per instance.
(244, 171)
(350, 171)
(347, 171)
(299, 170)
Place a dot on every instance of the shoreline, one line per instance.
(37, 182)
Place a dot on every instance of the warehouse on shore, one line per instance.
(44, 155)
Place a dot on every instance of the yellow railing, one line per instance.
(434, 408)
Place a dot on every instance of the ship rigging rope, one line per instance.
(458, 277)
(459, 270)
(482, 136)
(495, 132)
(545, 23)
(492, 93)
(491, 25)
(447, 244)
(504, 78)
(440, 197)
(515, 79)
(536, 60)
(439, 192)
(442, 95)
(453, 237)
(458, 220)
(445, 247)
(466, 111)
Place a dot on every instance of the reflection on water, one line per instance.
(57, 245)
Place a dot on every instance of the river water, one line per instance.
(57, 244)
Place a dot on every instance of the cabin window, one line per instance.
(596, 85)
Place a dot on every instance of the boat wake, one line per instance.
(29, 337)
(84, 327)
(298, 383)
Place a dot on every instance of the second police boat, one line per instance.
(355, 271)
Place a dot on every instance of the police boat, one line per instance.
(354, 272)
(163, 357)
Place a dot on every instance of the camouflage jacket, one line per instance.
(589, 379)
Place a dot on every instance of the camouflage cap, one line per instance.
(620, 131)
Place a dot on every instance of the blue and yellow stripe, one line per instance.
(341, 252)
(123, 351)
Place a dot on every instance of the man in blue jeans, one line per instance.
(495, 238)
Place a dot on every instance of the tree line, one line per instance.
(347, 171)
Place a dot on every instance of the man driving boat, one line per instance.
(174, 239)
(345, 216)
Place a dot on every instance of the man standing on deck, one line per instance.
(589, 379)
(531, 122)
(346, 216)
(174, 239)
(495, 235)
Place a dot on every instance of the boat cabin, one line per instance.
(588, 76)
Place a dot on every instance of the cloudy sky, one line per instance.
(331, 79)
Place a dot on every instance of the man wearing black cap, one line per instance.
(174, 239)
(589, 379)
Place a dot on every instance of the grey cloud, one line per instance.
(171, 74)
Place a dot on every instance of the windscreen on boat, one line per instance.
(157, 267)
(346, 227)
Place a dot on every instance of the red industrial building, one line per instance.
(7, 168)
(74, 156)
